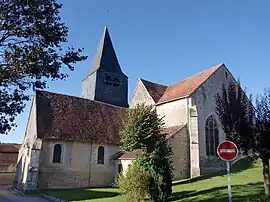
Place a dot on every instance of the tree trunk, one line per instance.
(266, 176)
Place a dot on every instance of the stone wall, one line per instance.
(78, 167)
(141, 95)
(204, 100)
(28, 157)
(8, 163)
(180, 147)
(174, 113)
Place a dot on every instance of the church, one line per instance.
(75, 141)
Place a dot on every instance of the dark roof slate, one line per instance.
(105, 58)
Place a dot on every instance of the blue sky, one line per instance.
(166, 41)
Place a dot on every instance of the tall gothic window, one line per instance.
(100, 157)
(211, 136)
(57, 152)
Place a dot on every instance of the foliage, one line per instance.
(263, 123)
(236, 114)
(135, 184)
(144, 130)
(246, 125)
(262, 137)
(32, 38)
(159, 165)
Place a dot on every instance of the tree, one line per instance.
(236, 114)
(262, 137)
(245, 124)
(143, 130)
(31, 52)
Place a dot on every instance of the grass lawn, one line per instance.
(246, 179)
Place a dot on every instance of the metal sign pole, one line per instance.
(229, 181)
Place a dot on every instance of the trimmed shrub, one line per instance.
(135, 184)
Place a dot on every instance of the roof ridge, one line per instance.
(155, 90)
(153, 82)
(198, 73)
(187, 86)
(78, 97)
(178, 129)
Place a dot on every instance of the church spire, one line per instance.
(106, 82)
(105, 58)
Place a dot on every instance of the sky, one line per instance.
(167, 41)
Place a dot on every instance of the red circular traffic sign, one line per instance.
(227, 151)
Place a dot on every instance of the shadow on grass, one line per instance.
(237, 167)
(80, 194)
(240, 193)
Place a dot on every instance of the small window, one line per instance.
(120, 168)
(57, 152)
(226, 75)
(100, 159)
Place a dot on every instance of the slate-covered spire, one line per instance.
(105, 58)
(106, 82)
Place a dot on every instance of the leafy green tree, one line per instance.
(143, 130)
(246, 125)
(32, 38)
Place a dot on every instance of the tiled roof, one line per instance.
(184, 88)
(169, 131)
(187, 86)
(131, 155)
(64, 117)
(9, 148)
(155, 90)
(173, 129)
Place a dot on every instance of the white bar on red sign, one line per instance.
(227, 150)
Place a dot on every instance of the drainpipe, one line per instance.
(90, 161)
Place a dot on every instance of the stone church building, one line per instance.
(75, 142)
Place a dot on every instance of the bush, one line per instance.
(159, 165)
(144, 130)
(135, 184)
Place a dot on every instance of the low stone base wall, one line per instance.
(6, 178)
(73, 179)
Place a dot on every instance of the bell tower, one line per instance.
(106, 82)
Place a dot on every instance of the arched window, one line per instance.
(57, 152)
(100, 157)
(211, 136)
